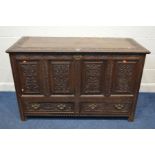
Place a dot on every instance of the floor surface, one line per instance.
(144, 118)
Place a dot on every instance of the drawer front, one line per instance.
(37, 107)
(107, 106)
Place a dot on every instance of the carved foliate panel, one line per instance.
(61, 76)
(92, 79)
(124, 77)
(49, 107)
(29, 77)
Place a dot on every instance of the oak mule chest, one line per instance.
(77, 76)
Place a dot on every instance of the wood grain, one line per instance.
(76, 44)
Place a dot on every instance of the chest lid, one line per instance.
(77, 44)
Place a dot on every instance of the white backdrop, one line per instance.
(144, 35)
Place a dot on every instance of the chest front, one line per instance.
(77, 83)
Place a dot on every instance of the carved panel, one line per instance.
(62, 77)
(29, 71)
(92, 77)
(124, 76)
(49, 107)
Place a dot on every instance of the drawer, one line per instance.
(38, 107)
(104, 108)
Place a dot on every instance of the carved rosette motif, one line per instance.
(124, 77)
(93, 77)
(30, 74)
(92, 107)
(61, 78)
(49, 107)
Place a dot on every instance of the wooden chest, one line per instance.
(77, 76)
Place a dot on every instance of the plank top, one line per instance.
(76, 44)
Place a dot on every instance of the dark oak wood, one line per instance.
(77, 76)
(76, 44)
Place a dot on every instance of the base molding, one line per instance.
(147, 87)
(7, 86)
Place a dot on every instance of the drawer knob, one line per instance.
(61, 106)
(92, 106)
(24, 61)
(22, 89)
(119, 106)
(77, 57)
(35, 106)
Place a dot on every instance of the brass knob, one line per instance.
(77, 57)
(35, 106)
(92, 106)
(119, 106)
(61, 106)
(124, 61)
